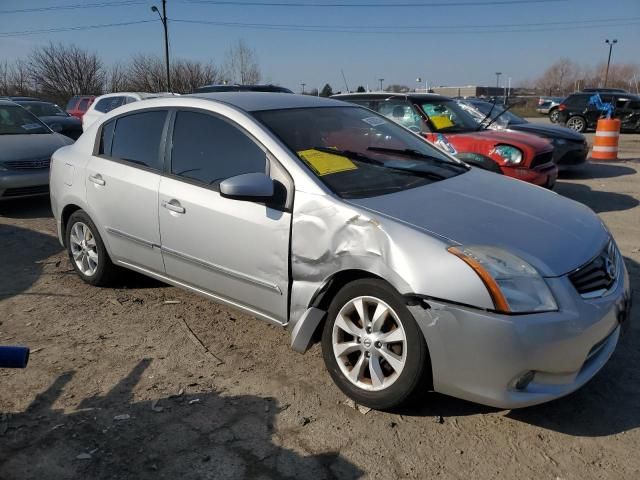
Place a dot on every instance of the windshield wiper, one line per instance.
(364, 159)
(415, 153)
(480, 125)
(502, 112)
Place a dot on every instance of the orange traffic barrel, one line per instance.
(605, 143)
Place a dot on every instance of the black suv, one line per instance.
(576, 113)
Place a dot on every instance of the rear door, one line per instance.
(122, 183)
(234, 249)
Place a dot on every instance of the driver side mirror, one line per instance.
(248, 186)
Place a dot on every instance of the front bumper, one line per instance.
(478, 355)
(543, 176)
(23, 183)
(570, 154)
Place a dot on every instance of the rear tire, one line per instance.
(577, 123)
(554, 115)
(87, 252)
(372, 346)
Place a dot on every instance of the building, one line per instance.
(470, 91)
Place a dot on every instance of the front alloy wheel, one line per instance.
(369, 343)
(372, 345)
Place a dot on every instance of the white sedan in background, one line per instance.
(105, 103)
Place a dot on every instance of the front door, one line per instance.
(122, 188)
(236, 250)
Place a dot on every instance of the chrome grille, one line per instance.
(596, 277)
(31, 164)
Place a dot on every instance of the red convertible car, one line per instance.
(443, 122)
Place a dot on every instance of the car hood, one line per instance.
(550, 131)
(25, 147)
(551, 232)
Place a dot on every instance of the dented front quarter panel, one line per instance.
(330, 236)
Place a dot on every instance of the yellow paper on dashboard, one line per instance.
(324, 163)
(441, 121)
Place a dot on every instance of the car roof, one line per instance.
(241, 88)
(7, 102)
(385, 95)
(256, 101)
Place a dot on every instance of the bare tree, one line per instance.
(117, 79)
(146, 73)
(61, 71)
(560, 78)
(241, 64)
(187, 75)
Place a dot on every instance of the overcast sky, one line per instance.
(447, 44)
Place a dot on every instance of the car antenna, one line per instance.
(345, 80)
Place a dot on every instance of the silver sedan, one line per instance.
(414, 270)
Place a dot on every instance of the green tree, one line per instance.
(360, 89)
(326, 91)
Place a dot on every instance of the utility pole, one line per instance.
(163, 19)
(611, 44)
(303, 84)
(498, 79)
(381, 80)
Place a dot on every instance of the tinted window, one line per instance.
(107, 104)
(72, 103)
(576, 101)
(136, 138)
(83, 105)
(106, 136)
(209, 149)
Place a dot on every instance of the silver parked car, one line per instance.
(415, 270)
(26, 146)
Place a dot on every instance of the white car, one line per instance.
(105, 103)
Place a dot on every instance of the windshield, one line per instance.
(358, 153)
(446, 116)
(509, 117)
(42, 109)
(15, 120)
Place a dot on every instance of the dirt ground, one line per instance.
(148, 381)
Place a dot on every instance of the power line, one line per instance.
(451, 30)
(73, 7)
(72, 29)
(467, 3)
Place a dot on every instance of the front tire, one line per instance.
(87, 252)
(372, 346)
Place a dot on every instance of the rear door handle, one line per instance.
(97, 179)
(174, 206)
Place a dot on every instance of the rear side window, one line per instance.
(72, 103)
(209, 149)
(83, 105)
(107, 104)
(576, 101)
(136, 138)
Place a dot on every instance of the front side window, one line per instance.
(15, 120)
(357, 153)
(402, 113)
(136, 138)
(208, 149)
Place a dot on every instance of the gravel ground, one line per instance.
(148, 381)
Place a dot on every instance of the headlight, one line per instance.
(510, 154)
(514, 285)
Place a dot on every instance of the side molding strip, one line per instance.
(223, 270)
(133, 238)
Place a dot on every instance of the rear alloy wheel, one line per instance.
(86, 251)
(372, 346)
(577, 123)
(554, 115)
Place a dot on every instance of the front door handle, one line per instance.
(97, 179)
(174, 206)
